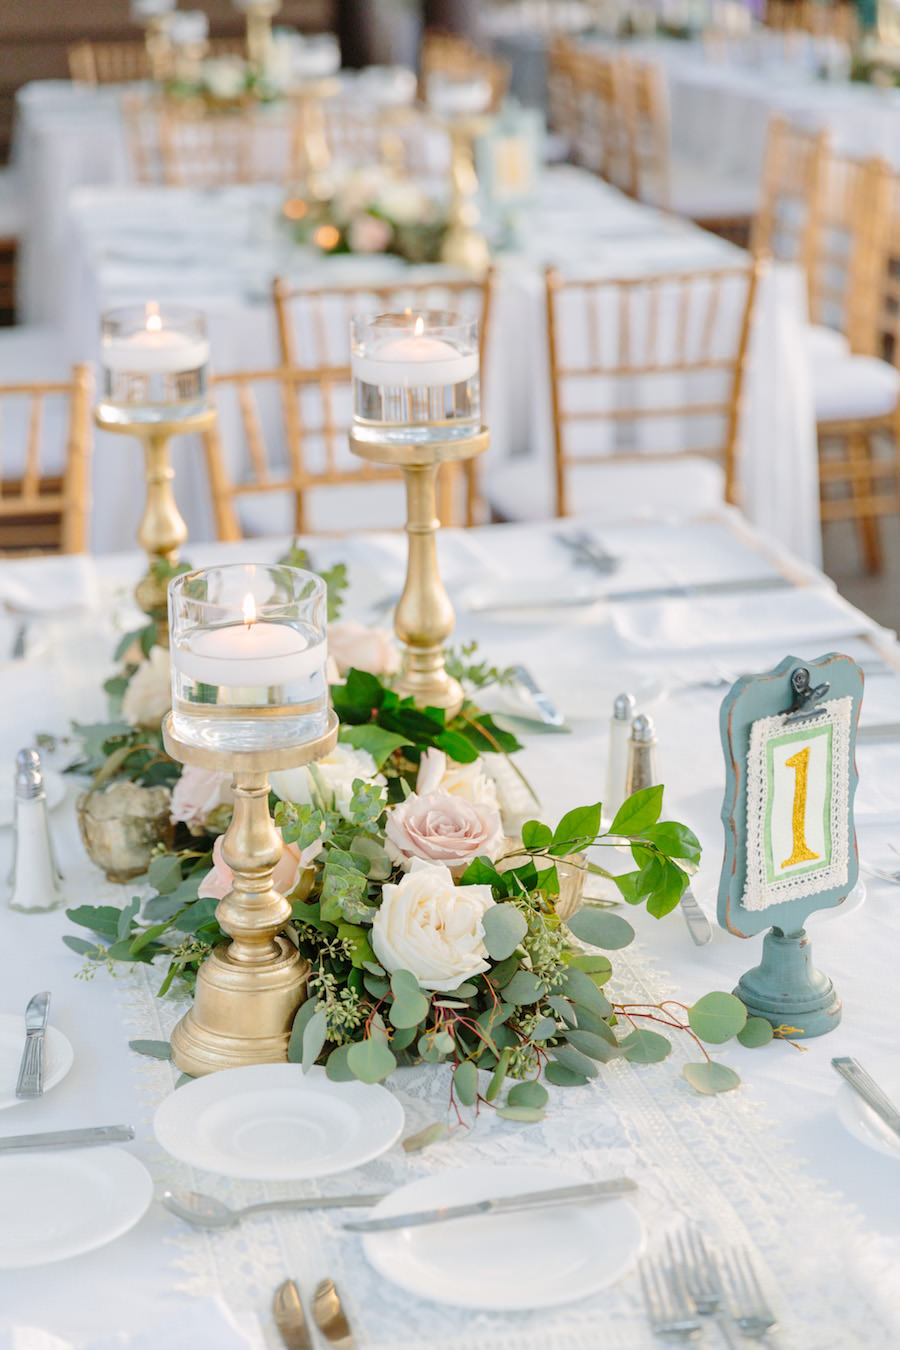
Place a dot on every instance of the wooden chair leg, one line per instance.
(859, 450)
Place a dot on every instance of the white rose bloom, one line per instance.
(337, 771)
(149, 694)
(224, 77)
(469, 781)
(431, 928)
(402, 202)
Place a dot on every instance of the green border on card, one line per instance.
(788, 738)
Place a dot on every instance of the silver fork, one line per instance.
(688, 1250)
(587, 551)
(669, 1305)
(751, 1311)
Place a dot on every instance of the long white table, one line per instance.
(769, 1165)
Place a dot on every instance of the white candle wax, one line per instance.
(415, 361)
(315, 58)
(188, 26)
(151, 9)
(455, 98)
(163, 351)
(257, 655)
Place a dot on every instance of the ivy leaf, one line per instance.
(645, 1047)
(599, 928)
(638, 812)
(528, 1094)
(716, 1017)
(668, 891)
(535, 834)
(370, 1060)
(465, 1082)
(674, 839)
(380, 743)
(357, 696)
(577, 829)
(153, 1049)
(432, 1134)
(711, 1078)
(756, 1031)
(504, 928)
(482, 872)
(457, 746)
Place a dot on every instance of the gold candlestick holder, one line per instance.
(249, 989)
(424, 619)
(158, 46)
(259, 32)
(162, 530)
(464, 244)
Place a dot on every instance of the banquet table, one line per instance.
(769, 1165)
(220, 251)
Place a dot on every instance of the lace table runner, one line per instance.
(716, 1161)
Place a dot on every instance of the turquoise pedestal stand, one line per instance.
(787, 990)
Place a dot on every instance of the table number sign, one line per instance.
(790, 846)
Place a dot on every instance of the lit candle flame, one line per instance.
(154, 322)
(248, 609)
(419, 326)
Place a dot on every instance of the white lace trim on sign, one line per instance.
(759, 891)
(713, 1160)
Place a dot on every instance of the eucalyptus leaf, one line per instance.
(756, 1031)
(524, 988)
(641, 1046)
(370, 1060)
(581, 989)
(102, 919)
(595, 1047)
(560, 1076)
(504, 928)
(465, 1082)
(123, 928)
(82, 947)
(432, 1134)
(164, 873)
(528, 1094)
(402, 1039)
(336, 1066)
(711, 1078)
(574, 1060)
(599, 928)
(563, 1007)
(153, 1049)
(544, 1029)
(498, 1075)
(716, 1017)
(526, 1115)
(301, 1020)
(314, 1036)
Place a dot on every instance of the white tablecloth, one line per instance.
(221, 250)
(769, 1165)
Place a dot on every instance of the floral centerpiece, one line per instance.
(371, 210)
(427, 914)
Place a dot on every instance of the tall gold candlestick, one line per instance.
(249, 989)
(464, 245)
(424, 619)
(259, 33)
(162, 530)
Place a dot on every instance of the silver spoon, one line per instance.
(205, 1211)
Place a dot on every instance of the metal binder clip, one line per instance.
(806, 696)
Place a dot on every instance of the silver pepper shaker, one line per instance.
(643, 768)
(35, 878)
(619, 745)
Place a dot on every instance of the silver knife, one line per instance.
(290, 1319)
(31, 1070)
(549, 712)
(95, 1134)
(507, 1204)
(698, 924)
(675, 591)
(863, 1083)
(879, 731)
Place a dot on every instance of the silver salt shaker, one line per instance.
(619, 749)
(643, 767)
(35, 877)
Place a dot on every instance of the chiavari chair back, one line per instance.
(786, 225)
(294, 420)
(562, 89)
(208, 149)
(647, 370)
(602, 137)
(45, 454)
(646, 108)
(450, 54)
(124, 62)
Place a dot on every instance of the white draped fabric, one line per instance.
(770, 1165)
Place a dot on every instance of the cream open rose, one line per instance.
(197, 794)
(432, 928)
(441, 828)
(337, 772)
(370, 649)
(437, 772)
(149, 694)
(286, 877)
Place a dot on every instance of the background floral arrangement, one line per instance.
(372, 210)
(431, 928)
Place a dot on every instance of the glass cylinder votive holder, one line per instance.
(415, 377)
(247, 646)
(154, 361)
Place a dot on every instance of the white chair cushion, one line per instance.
(521, 489)
(823, 342)
(850, 387)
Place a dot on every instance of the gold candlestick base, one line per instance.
(162, 530)
(248, 991)
(424, 619)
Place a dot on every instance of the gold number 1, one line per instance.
(801, 851)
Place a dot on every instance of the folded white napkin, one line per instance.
(203, 1324)
(48, 585)
(790, 617)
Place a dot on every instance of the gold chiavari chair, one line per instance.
(602, 135)
(812, 16)
(124, 62)
(202, 149)
(640, 365)
(785, 225)
(294, 420)
(45, 506)
(562, 90)
(449, 54)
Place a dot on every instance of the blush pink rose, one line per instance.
(441, 828)
(372, 649)
(197, 794)
(217, 882)
(368, 234)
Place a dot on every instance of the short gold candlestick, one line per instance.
(259, 33)
(162, 530)
(424, 619)
(249, 989)
(464, 244)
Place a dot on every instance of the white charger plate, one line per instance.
(862, 1122)
(532, 1259)
(58, 1057)
(54, 786)
(273, 1122)
(62, 1203)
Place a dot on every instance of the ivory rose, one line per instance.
(197, 794)
(286, 877)
(149, 693)
(336, 771)
(441, 828)
(369, 234)
(432, 928)
(469, 781)
(371, 649)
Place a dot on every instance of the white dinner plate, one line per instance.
(862, 1122)
(273, 1122)
(62, 1203)
(54, 786)
(58, 1056)
(533, 1259)
(855, 900)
